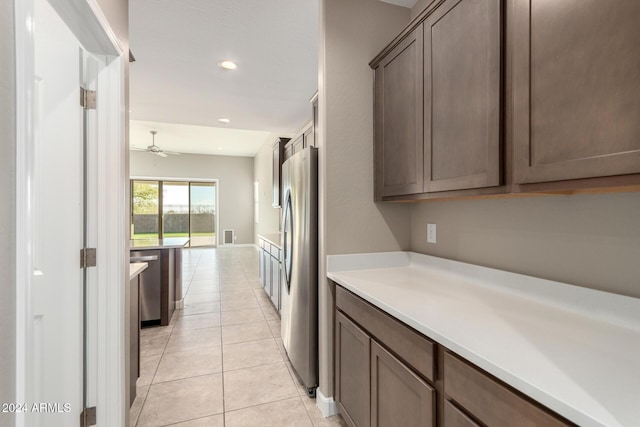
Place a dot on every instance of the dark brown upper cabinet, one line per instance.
(576, 89)
(277, 160)
(437, 103)
(462, 95)
(398, 119)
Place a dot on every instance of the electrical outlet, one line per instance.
(431, 233)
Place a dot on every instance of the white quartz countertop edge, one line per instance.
(402, 283)
(273, 238)
(136, 268)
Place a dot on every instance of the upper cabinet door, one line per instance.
(462, 96)
(576, 89)
(398, 119)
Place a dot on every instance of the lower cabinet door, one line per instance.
(453, 417)
(352, 372)
(275, 282)
(261, 265)
(398, 396)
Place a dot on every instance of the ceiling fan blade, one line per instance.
(160, 153)
(137, 149)
(171, 152)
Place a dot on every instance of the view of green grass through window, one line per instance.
(188, 209)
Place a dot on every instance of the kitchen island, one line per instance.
(135, 269)
(497, 336)
(161, 283)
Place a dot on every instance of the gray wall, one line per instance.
(352, 32)
(269, 219)
(590, 240)
(354, 222)
(7, 208)
(235, 189)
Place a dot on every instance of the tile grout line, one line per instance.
(224, 409)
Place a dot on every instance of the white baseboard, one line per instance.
(180, 304)
(328, 407)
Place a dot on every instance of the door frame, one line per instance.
(89, 24)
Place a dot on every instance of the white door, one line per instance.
(55, 333)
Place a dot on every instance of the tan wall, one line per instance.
(585, 240)
(352, 32)
(7, 208)
(235, 191)
(269, 221)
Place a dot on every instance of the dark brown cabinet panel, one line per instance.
(462, 75)
(278, 159)
(488, 400)
(297, 144)
(309, 136)
(576, 89)
(352, 372)
(412, 347)
(454, 417)
(398, 119)
(398, 396)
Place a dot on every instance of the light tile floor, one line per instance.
(221, 362)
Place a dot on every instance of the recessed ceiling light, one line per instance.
(219, 148)
(227, 65)
(225, 121)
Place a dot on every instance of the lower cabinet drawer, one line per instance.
(416, 350)
(489, 401)
(398, 396)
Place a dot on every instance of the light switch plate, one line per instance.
(431, 233)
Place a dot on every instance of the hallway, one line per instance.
(221, 362)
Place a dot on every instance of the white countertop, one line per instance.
(136, 268)
(273, 238)
(575, 350)
(166, 243)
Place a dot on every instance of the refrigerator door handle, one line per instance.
(287, 245)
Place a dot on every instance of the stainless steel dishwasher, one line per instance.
(150, 286)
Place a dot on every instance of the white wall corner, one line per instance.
(327, 406)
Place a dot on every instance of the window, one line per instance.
(174, 209)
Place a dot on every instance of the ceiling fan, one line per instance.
(153, 148)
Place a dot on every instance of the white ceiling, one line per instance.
(176, 79)
(199, 139)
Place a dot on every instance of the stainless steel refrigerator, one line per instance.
(299, 303)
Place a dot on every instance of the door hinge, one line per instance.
(87, 99)
(87, 257)
(88, 417)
